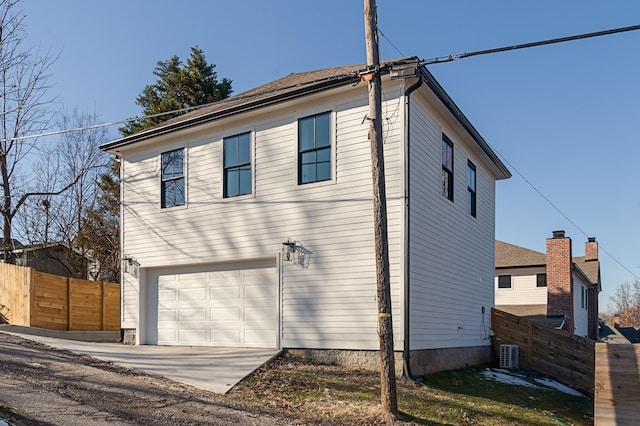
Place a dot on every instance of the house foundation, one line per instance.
(426, 361)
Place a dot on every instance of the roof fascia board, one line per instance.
(542, 265)
(226, 112)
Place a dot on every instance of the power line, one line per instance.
(556, 208)
(455, 57)
(97, 126)
(390, 42)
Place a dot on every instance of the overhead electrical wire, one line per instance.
(556, 208)
(455, 57)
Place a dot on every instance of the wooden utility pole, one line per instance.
(388, 397)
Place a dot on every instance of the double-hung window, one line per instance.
(471, 188)
(172, 180)
(314, 148)
(541, 280)
(237, 165)
(447, 168)
(504, 281)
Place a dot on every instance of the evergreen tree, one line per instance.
(178, 86)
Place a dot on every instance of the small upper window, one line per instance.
(504, 281)
(314, 148)
(237, 165)
(471, 188)
(172, 186)
(447, 168)
(541, 280)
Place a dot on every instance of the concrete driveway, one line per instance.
(213, 369)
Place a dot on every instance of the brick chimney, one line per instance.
(560, 277)
(591, 249)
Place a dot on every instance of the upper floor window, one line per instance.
(541, 280)
(471, 188)
(584, 298)
(504, 281)
(237, 165)
(447, 168)
(172, 181)
(314, 148)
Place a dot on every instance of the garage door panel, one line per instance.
(199, 315)
(199, 293)
(193, 336)
(226, 314)
(167, 315)
(224, 292)
(258, 314)
(218, 307)
(258, 292)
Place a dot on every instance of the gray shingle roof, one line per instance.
(512, 256)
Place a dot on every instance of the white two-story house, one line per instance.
(249, 222)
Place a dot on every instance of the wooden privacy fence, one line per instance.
(617, 384)
(35, 299)
(563, 355)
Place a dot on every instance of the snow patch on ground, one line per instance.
(503, 376)
(513, 378)
(558, 386)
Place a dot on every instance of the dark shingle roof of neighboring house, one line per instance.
(512, 256)
(301, 84)
(631, 333)
(591, 268)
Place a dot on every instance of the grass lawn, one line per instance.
(310, 393)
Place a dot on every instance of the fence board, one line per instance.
(617, 384)
(14, 293)
(568, 358)
(48, 301)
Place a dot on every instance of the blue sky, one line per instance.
(563, 116)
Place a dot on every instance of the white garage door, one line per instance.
(232, 306)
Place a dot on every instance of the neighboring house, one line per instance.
(555, 288)
(53, 258)
(249, 222)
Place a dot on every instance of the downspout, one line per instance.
(407, 317)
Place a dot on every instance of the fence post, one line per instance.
(530, 345)
(69, 304)
(31, 292)
(103, 309)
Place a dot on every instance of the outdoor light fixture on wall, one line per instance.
(130, 265)
(288, 249)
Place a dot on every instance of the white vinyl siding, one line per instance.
(524, 289)
(330, 303)
(580, 310)
(451, 253)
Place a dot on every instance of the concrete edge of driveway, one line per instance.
(212, 369)
(85, 336)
